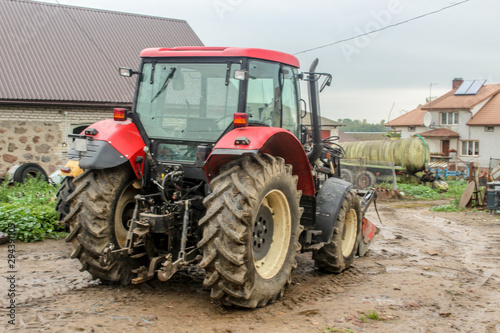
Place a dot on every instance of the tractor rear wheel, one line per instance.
(338, 255)
(250, 231)
(62, 206)
(100, 207)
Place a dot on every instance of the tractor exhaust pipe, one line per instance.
(314, 154)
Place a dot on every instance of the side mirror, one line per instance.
(327, 82)
(126, 72)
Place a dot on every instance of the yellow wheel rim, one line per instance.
(271, 234)
(349, 233)
(124, 213)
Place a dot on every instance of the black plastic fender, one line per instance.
(328, 204)
(99, 155)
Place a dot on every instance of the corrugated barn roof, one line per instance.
(59, 53)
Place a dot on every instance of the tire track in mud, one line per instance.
(59, 298)
(451, 257)
(427, 270)
(475, 247)
(46, 271)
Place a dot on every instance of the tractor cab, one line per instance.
(189, 98)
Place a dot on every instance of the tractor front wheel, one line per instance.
(100, 207)
(339, 253)
(250, 231)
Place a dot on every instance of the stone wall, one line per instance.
(38, 134)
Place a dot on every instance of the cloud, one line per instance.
(396, 64)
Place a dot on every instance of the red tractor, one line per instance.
(209, 167)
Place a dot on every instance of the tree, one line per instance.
(361, 126)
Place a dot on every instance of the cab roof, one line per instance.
(197, 51)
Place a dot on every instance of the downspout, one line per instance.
(314, 154)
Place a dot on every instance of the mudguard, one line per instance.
(262, 140)
(328, 204)
(369, 230)
(113, 144)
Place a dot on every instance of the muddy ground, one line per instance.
(425, 272)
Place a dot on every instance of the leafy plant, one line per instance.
(420, 192)
(30, 207)
(455, 190)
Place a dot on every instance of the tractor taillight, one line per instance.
(120, 114)
(65, 169)
(240, 120)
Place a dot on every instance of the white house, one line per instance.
(466, 119)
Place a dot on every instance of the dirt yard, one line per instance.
(425, 272)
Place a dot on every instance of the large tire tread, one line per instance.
(227, 224)
(330, 258)
(91, 219)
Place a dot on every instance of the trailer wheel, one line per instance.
(338, 255)
(251, 231)
(62, 206)
(29, 170)
(99, 204)
(347, 175)
(366, 179)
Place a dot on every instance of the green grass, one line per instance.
(373, 315)
(455, 190)
(421, 192)
(30, 207)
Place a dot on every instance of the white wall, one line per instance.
(489, 144)
(405, 134)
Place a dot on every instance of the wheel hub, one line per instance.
(262, 232)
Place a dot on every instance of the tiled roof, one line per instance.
(344, 137)
(56, 53)
(412, 118)
(440, 132)
(489, 113)
(464, 102)
(324, 121)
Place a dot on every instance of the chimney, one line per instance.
(456, 82)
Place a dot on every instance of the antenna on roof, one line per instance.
(389, 117)
(430, 92)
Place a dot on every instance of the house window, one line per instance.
(411, 129)
(489, 128)
(449, 118)
(470, 148)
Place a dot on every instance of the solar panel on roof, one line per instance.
(462, 90)
(474, 88)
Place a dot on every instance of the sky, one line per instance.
(378, 76)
